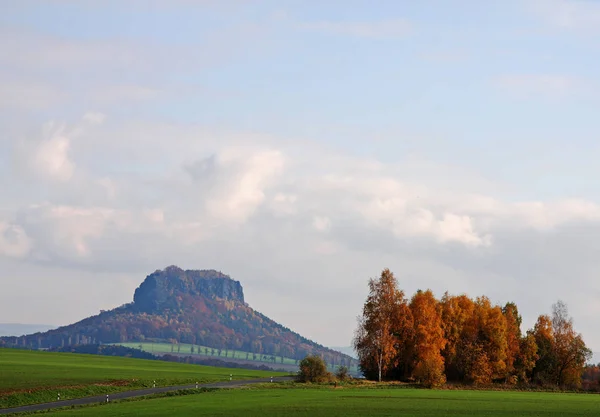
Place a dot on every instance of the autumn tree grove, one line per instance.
(460, 339)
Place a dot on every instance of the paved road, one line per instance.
(137, 393)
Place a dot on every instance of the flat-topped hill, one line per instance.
(198, 307)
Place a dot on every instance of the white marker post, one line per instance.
(196, 384)
(153, 384)
(58, 397)
(106, 397)
(230, 377)
(271, 379)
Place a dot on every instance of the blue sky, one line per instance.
(466, 76)
(454, 141)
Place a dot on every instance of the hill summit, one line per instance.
(198, 307)
(162, 289)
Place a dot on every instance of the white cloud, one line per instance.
(407, 218)
(383, 29)
(154, 215)
(327, 247)
(52, 158)
(14, 242)
(67, 230)
(457, 228)
(546, 216)
(47, 157)
(109, 187)
(284, 204)
(494, 214)
(245, 176)
(321, 223)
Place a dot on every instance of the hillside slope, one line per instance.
(198, 307)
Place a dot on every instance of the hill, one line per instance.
(179, 306)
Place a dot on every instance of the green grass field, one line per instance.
(28, 377)
(183, 348)
(354, 402)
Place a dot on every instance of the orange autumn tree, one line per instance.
(527, 358)
(429, 339)
(385, 320)
(494, 339)
(544, 340)
(486, 343)
(456, 312)
(513, 340)
(570, 352)
(561, 351)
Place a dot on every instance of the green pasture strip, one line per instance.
(354, 402)
(185, 348)
(29, 377)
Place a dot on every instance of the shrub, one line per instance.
(313, 369)
(430, 372)
(342, 373)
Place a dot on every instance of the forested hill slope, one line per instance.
(199, 307)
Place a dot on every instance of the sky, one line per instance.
(300, 147)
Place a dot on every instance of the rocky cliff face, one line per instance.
(163, 289)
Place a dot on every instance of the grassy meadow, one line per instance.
(28, 377)
(329, 401)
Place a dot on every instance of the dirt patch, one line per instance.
(38, 389)
(117, 383)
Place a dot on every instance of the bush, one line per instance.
(342, 373)
(430, 372)
(313, 369)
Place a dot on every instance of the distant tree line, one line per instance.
(591, 377)
(106, 350)
(219, 363)
(116, 350)
(457, 338)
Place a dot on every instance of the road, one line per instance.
(137, 393)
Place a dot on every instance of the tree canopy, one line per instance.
(461, 339)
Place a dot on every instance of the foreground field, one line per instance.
(28, 377)
(353, 402)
